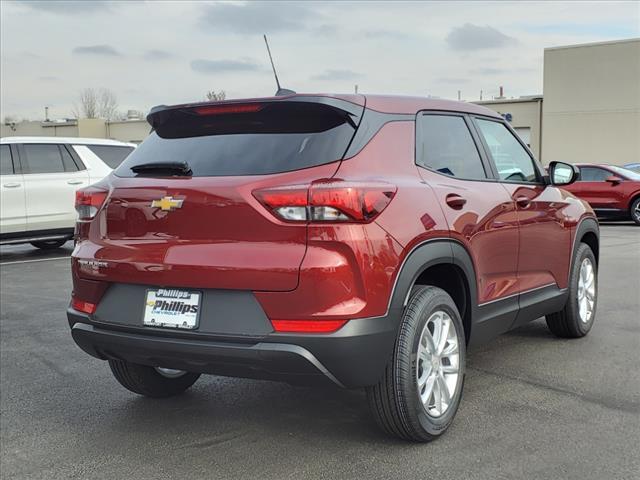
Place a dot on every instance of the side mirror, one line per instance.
(561, 173)
(613, 179)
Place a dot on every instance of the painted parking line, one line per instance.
(34, 260)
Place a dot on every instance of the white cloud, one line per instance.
(213, 67)
(475, 37)
(100, 50)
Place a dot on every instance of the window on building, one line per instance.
(510, 158)
(445, 144)
(43, 158)
(6, 163)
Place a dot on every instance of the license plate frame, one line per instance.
(173, 312)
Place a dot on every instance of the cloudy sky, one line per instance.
(156, 52)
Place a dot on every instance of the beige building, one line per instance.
(592, 103)
(591, 107)
(132, 131)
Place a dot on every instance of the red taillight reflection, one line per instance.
(228, 109)
(292, 195)
(307, 326)
(328, 201)
(361, 202)
(82, 306)
(88, 202)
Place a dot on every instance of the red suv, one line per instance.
(612, 191)
(360, 241)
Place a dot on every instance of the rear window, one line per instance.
(111, 155)
(6, 163)
(275, 138)
(626, 173)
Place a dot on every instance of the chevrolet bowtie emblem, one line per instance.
(167, 203)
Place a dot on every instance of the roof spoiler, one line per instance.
(292, 114)
(161, 114)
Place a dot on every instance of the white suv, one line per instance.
(38, 180)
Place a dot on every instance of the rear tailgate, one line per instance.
(205, 229)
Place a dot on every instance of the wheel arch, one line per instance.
(442, 263)
(632, 198)
(588, 232)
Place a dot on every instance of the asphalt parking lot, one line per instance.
(534, 406)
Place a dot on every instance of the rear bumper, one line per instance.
(355, 356)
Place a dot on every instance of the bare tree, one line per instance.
(214, 96)
(107, 104)
(96, 103)
(88, 104)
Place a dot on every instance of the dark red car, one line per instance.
(610, 190)
(360, 241)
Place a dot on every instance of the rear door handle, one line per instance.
(523, 202)
(455, 201)
(12, 185)
(75, 182)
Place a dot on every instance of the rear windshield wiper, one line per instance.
(171, 168)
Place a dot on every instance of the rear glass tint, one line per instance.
(278, 138)
(6, 163)
(111, 155)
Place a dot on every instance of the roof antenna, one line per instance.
(281, 91)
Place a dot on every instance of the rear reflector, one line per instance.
(88, 202)
(328, 201)
(228, 109)
(82, 306)
(307, 326)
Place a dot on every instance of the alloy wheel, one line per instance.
(438, 364)
(586, 290)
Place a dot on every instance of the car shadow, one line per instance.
(22, 252)
(219, 410)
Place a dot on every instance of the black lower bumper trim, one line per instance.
(274, 361)
(354, 356)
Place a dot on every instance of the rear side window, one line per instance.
(67, 160)
(592, 174)
(510, 158)
(111, 155)
(6, 164)
(444, 144)
(43, 158)
(275, 138)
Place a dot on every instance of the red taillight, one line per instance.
(88, 202)
(82, 306)
(227, 109)
(307, 326)
(328, 201)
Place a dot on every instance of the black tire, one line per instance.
(49, 244)
(567, 323)
(634, 211)
(395, 401)
(147, 381)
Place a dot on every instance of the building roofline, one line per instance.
(531, 98)
(594, 44)
(65, 140)
(130, 120)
